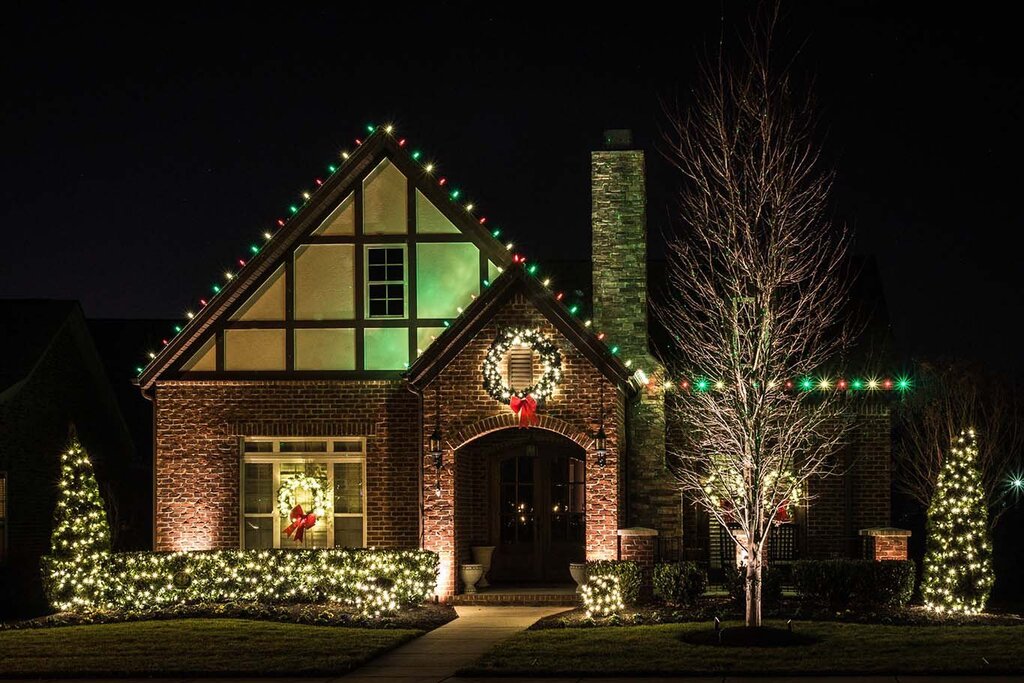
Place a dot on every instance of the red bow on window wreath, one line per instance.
(300, 522)
(526, 408)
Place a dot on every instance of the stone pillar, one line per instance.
(885, 543)
(619, 255)
(638, 544)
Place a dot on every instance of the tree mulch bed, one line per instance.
(726, 609)
(424, 617)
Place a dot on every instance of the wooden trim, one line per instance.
(289, 311)
(410, 268)
(219, 346)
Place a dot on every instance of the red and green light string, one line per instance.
(901, 384)
(428, 167)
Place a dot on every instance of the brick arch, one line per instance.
(510, 420)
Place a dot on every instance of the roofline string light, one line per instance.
(572, 308)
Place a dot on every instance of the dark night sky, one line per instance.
(144, 149)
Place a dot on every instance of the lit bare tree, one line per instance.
(951, 396)
(757, 292)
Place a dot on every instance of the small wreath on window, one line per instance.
(287, 500)
(550, 359)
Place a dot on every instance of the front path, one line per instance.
(437, 655)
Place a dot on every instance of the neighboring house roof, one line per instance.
(30, 327)
(514, 280)
(376, 147)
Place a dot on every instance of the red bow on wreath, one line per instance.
(526, 408)
(300, 522)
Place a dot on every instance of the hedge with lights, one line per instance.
(375, 582)
(602, 596)
(958, 563)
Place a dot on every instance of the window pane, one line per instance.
(377, 256)
(348, 532)
(348, 446)
(378, 291)
(395, 307)
(259, 446)
(377, 273)
(393, 256)
(259, 533)
(348, 487)
(303, 447)
(395, 272)
(259, 480)
(378, 307)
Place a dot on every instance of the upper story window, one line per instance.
(385, 282)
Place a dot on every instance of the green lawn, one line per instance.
(192, 647)
(844, 648)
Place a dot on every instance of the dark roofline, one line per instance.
(450, 343)
(377, 146)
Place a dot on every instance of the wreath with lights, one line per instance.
(287, 498)
(550, 358)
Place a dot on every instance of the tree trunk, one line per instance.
(753, 588)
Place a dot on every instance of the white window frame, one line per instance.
(276, 458)
(367, 281)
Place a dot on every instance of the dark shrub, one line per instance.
(679, 583)
(629, 573)
(842, 584)
(771, 586)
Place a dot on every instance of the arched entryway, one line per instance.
(522, 491)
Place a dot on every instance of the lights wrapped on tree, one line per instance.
(958, 563)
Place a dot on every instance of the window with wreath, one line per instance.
(337, 466)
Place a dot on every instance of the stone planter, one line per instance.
(482, 555)
(470, 574)
(578, 571)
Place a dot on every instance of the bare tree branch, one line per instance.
(757, 292)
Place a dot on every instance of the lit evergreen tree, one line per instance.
(958, 564)
(81, 534)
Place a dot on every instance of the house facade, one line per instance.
(384, 344)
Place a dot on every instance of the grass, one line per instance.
(844, 649)
(194, 647)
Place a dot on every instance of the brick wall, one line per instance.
(198, 425)
(468, 412)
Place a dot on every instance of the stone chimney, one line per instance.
(619, 251)
(619, 255)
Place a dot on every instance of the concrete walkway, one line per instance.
(436, 656)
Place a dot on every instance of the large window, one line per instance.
(340, 465)
(3, 517)
(385, 282)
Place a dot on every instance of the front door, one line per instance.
(538, 518)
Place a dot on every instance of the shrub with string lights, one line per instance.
(602, 596)
(958, 564)
(81, 533)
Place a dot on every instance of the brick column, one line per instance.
(637, 544)
(885, 543)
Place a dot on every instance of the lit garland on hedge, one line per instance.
(602, 596)
(375, 582)
(550, 358)
(81, 533)
(958, 564)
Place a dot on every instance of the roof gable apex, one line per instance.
(305, 221)
(514, 280)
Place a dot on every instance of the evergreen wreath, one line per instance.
(287, 500)
(550, 358)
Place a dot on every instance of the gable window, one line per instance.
(385, 282)
(340, 464)
(3, 517)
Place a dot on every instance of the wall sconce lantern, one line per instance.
(601, 447)
(435, 447)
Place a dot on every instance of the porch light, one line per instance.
(601, 447)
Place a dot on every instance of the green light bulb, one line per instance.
(573, 309)
(254, 249)
(807, 384)
(216, 289)
(293, 208)
(370, 128)
(532, 269)
(496, 232)
(177, 329)
(615, 349)
(332, 168)
(455, 194)
(416, 155)
(487, 283)
(857, 384)
(702, 385)
(903, 383)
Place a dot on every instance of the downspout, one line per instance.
(152, 488)
(422, 473)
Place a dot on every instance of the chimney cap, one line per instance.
(618, 138)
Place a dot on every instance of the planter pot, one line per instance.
(578, 571)
(471, 573)
(482, 555)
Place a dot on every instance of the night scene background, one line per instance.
(145, 149)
